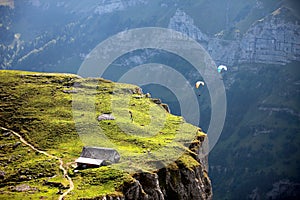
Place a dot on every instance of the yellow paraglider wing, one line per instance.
(198, 83)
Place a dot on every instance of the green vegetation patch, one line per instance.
(58, 113)
(99, 182)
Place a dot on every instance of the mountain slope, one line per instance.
(259, 146)
(39, 108)
(77, 27)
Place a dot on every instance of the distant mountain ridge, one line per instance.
(272, 40)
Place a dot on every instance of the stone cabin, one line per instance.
(92, 157)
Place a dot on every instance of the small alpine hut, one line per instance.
(91, 157)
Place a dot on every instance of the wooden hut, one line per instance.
(96, 157)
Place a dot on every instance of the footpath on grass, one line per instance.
(61, 163)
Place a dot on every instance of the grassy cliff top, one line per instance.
(57, 113)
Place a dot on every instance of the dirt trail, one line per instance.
(65, 172)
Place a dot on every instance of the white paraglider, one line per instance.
(222, 67)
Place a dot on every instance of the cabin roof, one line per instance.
(97, 155)
(89, 161)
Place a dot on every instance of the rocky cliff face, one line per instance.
(185, 24)
(175, 181)
(274, 39)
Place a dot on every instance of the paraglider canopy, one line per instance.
(198, 83)
(222, 67)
